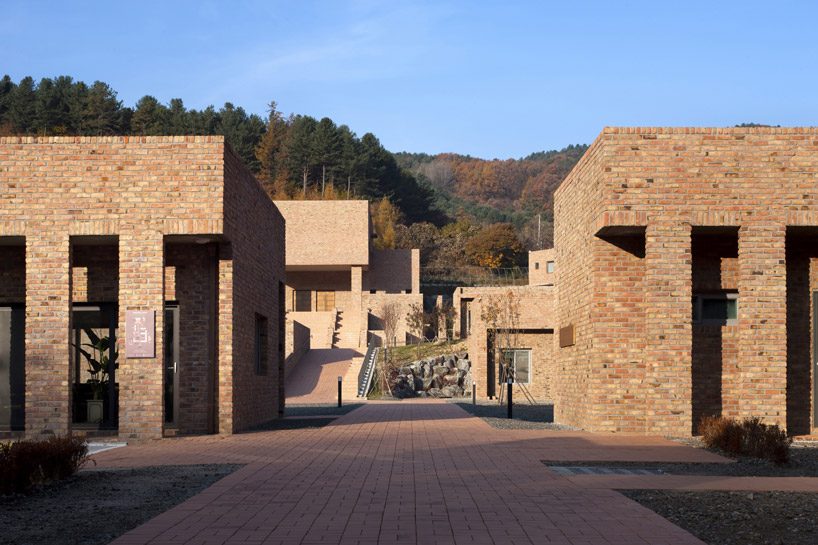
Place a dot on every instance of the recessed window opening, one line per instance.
(519, 365)
(715, 309)
(262, 345)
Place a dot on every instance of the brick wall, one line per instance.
(393, 271)
(95, 273)
(141, 190)
(322, 233)
(577, 202)
(373, 303)
(538, 274)
(256, 231)
(194, 289)
(535, 307)
(673, 184)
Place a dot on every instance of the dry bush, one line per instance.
(24, 464)
(750, 437)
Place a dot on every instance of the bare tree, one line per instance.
(390, 316)
(416, 320)
(501, 314)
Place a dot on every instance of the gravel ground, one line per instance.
(525, 417)
(737, 518)
(96, 506)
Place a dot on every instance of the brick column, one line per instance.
(415, 270)
(225, 345)
(762, 322)
(357, 302)
(48, 315)
(668, 317)
(141, 380)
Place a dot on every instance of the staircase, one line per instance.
(347, 332)
(366, 370)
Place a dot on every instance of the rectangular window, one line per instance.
(549, 266)
(262, 344)
(519, 363)
(715, 309)
(302, 300)
(536, 265)
(324, 301)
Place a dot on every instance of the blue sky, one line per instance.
(490, 79)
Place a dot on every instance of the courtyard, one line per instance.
(423, 472)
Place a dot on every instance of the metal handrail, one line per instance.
(367, 370)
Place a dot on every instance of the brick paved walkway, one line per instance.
(315, 378)
(411, 472)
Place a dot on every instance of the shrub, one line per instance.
(24, 464)
(750, 437)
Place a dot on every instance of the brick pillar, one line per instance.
(141, 380)
(225, 346)
(48, 315)
(762, 322)
(357, 302)
(668, 317)
(415, 270)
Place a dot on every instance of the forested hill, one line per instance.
(490, 191)
(436, 202)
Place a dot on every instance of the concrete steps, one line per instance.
(347, 332)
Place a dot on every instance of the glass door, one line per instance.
(171, 365)
(95, 399)
(12, 368)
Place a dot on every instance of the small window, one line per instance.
(302, 300)
(714, 309)
(549, 266)
(324, 301)
(536, 265)
(262, 344)
(519, 363)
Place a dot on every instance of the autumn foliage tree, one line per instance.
(385, 217)
(495, 246)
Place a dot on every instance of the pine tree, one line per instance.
(178, 118)
(22, 105)
(149, 118)
(300, 151)
(102, 114)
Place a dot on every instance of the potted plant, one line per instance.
(101, 359)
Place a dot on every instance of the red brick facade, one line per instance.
(651, 218)
(139, 222)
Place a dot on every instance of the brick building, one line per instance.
(516, 321)
(170, 238)
(337, 283)
(688, 274)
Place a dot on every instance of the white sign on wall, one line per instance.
(140, 334)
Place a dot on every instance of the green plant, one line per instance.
(749, 437)
(101, 361)
(25, 464)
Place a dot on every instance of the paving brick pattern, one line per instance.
(410, 472)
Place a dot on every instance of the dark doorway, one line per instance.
(12, 368)
(814, 358)
(714, 317)
(491, 386)
(172, 365)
